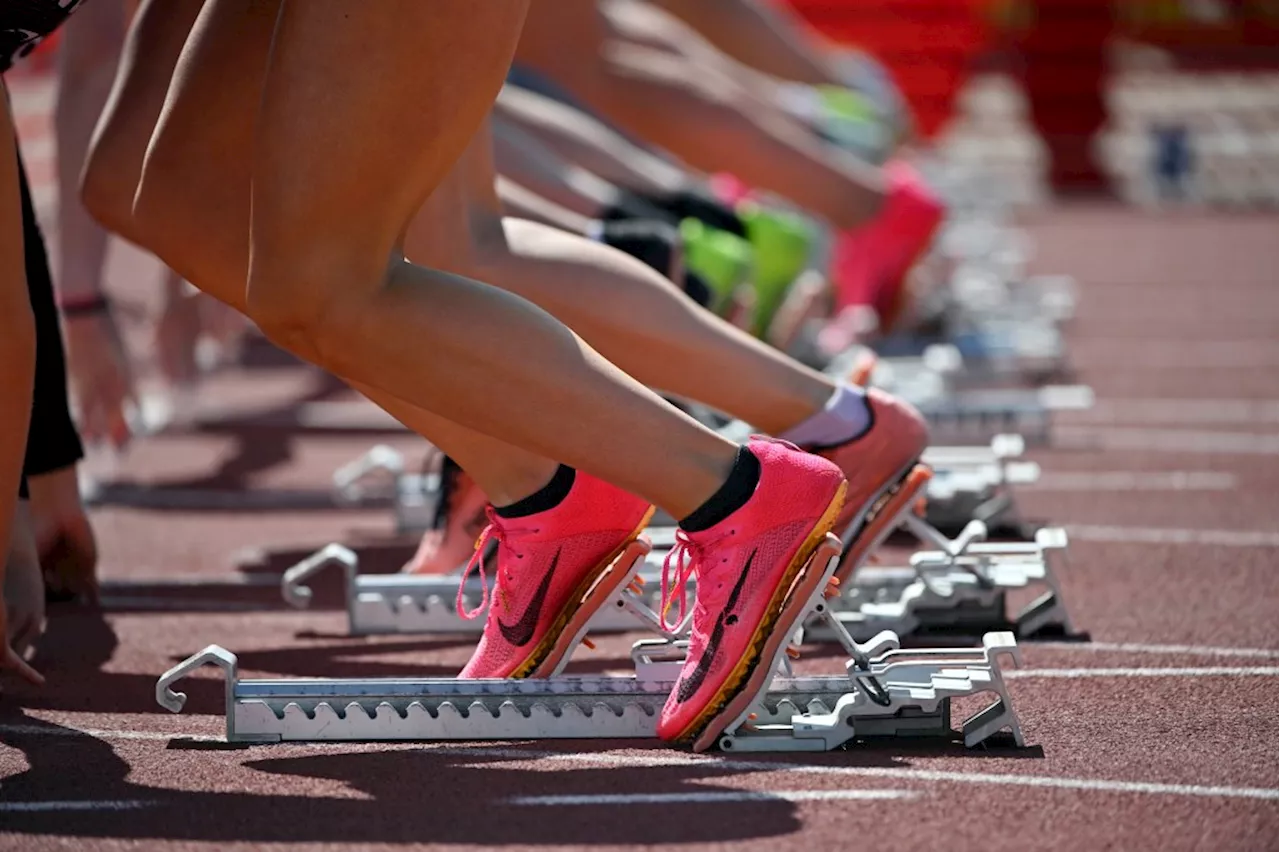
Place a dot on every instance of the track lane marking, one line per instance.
(1167, 535)
(1165, 440)
(711, 797)
(1124, 481)
(661, 760)
(1206, 671)
(1010, 780)
(1143, 648)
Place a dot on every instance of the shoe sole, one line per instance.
(613, 578)
(739, 676)
(541, 656)
(874, 523)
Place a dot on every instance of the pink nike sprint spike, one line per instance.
(870, 264)
(460, 518)
(547, 564)
(746, 568)
(876, 462)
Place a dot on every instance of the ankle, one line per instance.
(537, 487)
(796, 406)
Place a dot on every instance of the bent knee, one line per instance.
(106, 191)
(310, 299)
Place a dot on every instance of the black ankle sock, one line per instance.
(547, 497)
(731, 497)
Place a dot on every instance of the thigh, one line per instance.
(157, 31)
(364, 114)
(193, 198)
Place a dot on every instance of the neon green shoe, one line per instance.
(723, 260)
(782, 243)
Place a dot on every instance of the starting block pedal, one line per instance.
(976, 483)
(381, 476)
(962, 583)
(977, 416)
(884, 692)
(379, 604)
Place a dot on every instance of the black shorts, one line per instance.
(25, 23)
(53, 443)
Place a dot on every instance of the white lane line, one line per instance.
(1142, 648)
(605, 758)
(1205, 671)
(1168, 355)
(1166, 440)
(1009, 780)
(72, 805)
(1170, 411)
(1173, 480)
(712, 797)
(1162, 535)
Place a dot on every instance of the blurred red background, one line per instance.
(1057, 49)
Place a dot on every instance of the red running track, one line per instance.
(1176, 333)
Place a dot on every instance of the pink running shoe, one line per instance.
(547, 565)
(871, 264)
(746, 567)
(460, 518)
(876, 463)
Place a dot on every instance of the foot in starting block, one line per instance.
(379, 604)
(960, 583)
(884, 692)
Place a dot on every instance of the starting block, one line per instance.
(885, 692)
(977, 483)
(380, 604)
(961, 583)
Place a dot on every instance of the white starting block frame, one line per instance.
(977, 416)
(885, 692)
(961, 588)
(977, 483)
(958, 412)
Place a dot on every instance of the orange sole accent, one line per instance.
(540, 654)
(738, 676)
(861, 372)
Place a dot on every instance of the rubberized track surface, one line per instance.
(1159, 734)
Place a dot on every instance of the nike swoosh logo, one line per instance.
(693, 682)
(521, 632)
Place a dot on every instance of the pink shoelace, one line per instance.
(689, 558)
(497, 531)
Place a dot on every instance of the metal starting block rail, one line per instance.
(885, 691)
